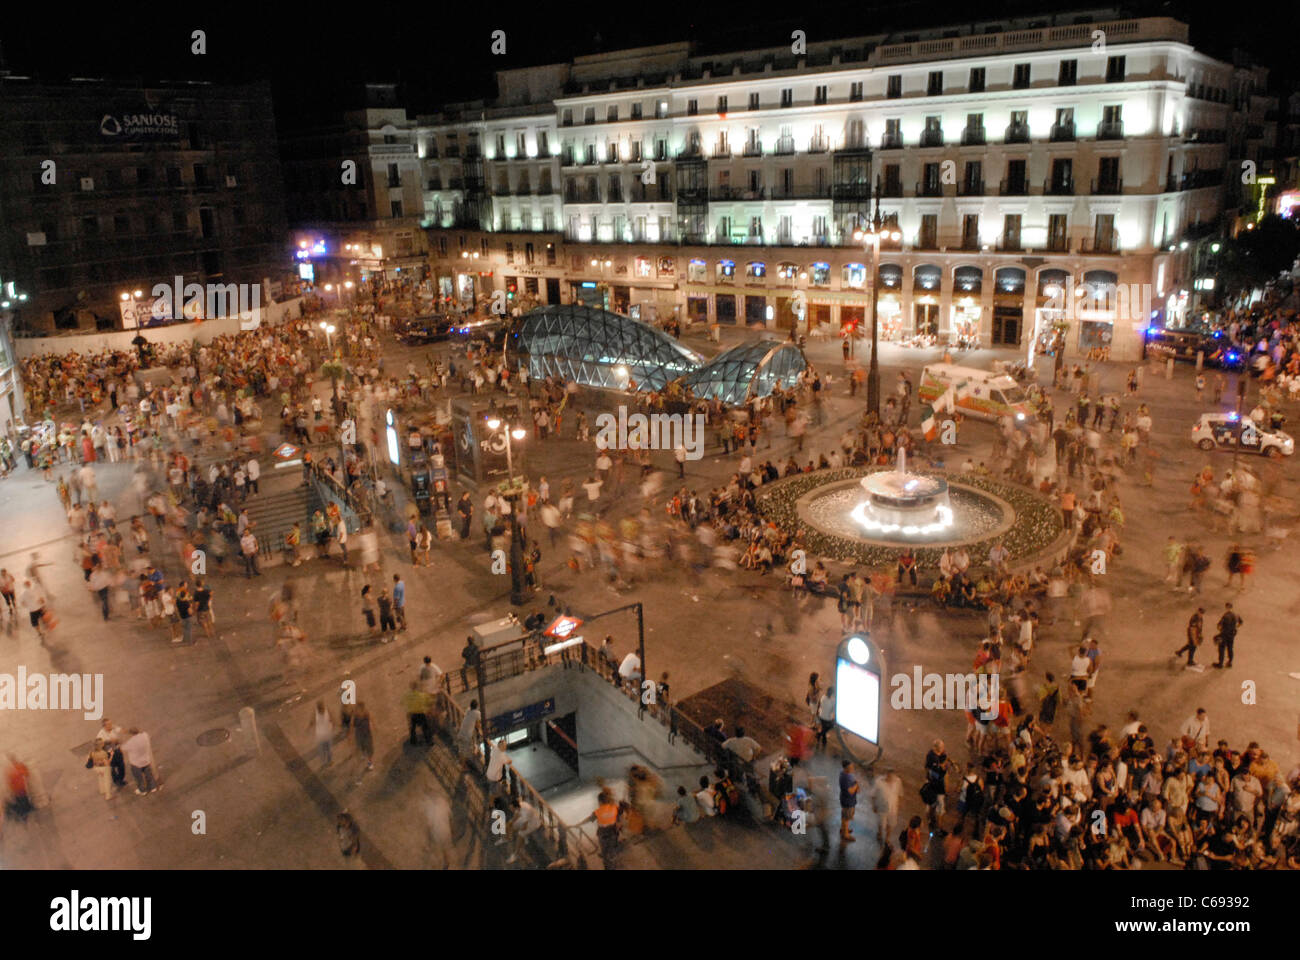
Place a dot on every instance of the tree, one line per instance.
(1254, 257)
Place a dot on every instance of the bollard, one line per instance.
(1200, 360)
(248, 730)
(1169, 369)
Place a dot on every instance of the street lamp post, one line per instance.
(873, 237)
(518, 590)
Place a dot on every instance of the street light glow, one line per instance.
(493, 423)
(518, 433)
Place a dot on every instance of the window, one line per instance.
(692, 107)
(1063, 129)
(510, 252)
(819, 94)
(927, 238)
(855, 133)
(932, 135)
(1104, 241)
(1011, 231)
(589, 115)
(566, 118)
(787, 97)
(976, 79)
(174, 176)
(820, 274)
(483, 247)
(855, 90)
(636, 110)
(753, 101)
(1020, 78)
(970, 231)
(974, 133)
(1062, 180)
(661, 109)
(854, 276)
(395, 207)
(1112, 122)
(934, 87)
(442, 247)
(550, 253)
(973, 178)
(521, 144)
(615, 193)
(528, 253)
(787, 271)
(1114, 69)
(755, 271)
(893, 186)
(722, 104)
(894, 86)
(726, 268)
(697, 271)
(180, 222)
(1017, 181)
(1069, 73)
(1108, 175)
(543, 148)
(611, 152)
(931, 185)
(893, 135)
(501, 146)
(611, 113)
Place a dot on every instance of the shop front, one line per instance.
(967, 315)
(926, 280)
(889, 301)
(697, 309)
(1051, 324)
(1008, 306)
(725, 305)
(755, 310)
(1096, 312)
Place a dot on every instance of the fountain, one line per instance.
(898, 502)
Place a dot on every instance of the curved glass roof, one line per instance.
(593, 347)
(749, 369)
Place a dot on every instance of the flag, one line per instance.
(928, 425)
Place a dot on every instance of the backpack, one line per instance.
(728, 796)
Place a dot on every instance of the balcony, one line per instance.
(723, 194)
(1058, 244)
(851, 191)
(928, 189)
(1010, 244)
(891, 188)
(1099, 245)
(453, 151)
(1058, 188)
(970, 188)
(1111, 130)
(970, 243)
(691, 151)
(721, 151)
(1016, 133)
(891, 141)
(973, 137)
(926, 242)
(1014, 188)
(567, 160)
(1107, 187)
(799, 193)
(818, 144)
(784, 146)
(1062, 132)
(1171, 184)
(753, 150)
(695, 238)
(932, 138)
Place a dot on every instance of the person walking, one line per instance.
(1227, 635)
(399, 600)
(415, 702)
(138, 750)
(248, 550)
(825, 716)
(363, 731)
(203, 607)
(1195, 637)
(849, 787)
(605, 817)
(387, 624)
(322, 725)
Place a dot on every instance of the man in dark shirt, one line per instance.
(1228, 624)
(184, 609)
(203, 606)
(1194, 636)
(848, 801)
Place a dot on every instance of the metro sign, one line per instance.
(562, 626)
(286, 451)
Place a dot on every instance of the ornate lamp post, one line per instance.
(878, 231)
(518, 590)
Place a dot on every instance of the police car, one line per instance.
(1230, 432)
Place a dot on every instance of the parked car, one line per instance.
(421, 330)
(1227, 431)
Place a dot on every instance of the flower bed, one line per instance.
(1037, 525)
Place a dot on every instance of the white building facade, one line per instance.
(1017, 161)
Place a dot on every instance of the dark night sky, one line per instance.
(315, 55)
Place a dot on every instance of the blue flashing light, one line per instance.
(1232, 358)
(1218, 334)
(1151, 330)
(589, 285)
(1232, 417)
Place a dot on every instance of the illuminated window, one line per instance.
(726, 271)
(755, 270)
(697, 271)
(820, 274)
(855, 275)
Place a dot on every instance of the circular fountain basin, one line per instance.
(932, 512)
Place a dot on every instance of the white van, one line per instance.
(978, 393)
